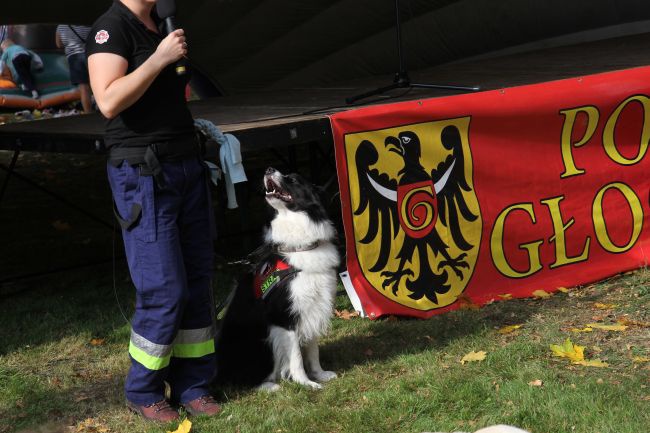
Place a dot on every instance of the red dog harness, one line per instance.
(270, 276)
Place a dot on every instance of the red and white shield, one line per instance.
(418, 208)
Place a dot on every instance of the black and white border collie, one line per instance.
(282, 307)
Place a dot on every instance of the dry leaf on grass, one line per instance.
(505, 296)
(576, 354)
(473, 357)
(640, 359)
(629, 322)
(542, 294)
(587, 329)
(607, 327)
(509, 329)
(183, 427)
(537, 382)
(91, 425)
(345, 314)
(592, 363)
(563, 289)
(602, 306)
(97, 342)
(466, 303)
(569, 350)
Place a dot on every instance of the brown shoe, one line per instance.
(160, 411)
(205, 405)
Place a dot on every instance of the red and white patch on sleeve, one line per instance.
(101, 37)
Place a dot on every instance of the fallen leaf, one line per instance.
(629, 322)
(641, 359)
(465, 303)
(61, 226)
(563, 289)
(542, 294)
(345, 314)
(80, 397)
(506, 296)
(473, 356)
(602, 306)
(509, 329)
(592, 363)
(97, 342)
(91, 425)
(607, 327)
(569, 350)
(587, 329)
(183, 427)
(537, 382)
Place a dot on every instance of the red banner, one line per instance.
(495, 194)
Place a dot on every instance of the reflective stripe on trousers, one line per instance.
(189, 343)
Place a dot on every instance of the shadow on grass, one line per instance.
(38, 403)
(81, 302)
(386, 339)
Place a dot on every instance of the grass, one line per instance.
(63, 352)
(396, 375)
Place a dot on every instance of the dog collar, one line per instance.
(284, 249)
(267, 278)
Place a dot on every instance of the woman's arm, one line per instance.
(58, 41)
(114, 89)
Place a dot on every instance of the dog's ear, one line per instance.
(320, 189)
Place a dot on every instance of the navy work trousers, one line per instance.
(169, 251)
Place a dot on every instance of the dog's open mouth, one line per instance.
(273, 190)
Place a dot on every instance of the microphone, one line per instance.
(166, 10)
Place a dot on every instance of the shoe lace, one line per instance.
(207, 399)
(160, 406)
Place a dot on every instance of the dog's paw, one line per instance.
(323, 376)
(311, 384)
(268, 387)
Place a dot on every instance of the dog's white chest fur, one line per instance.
(312, 295)
(314, 287)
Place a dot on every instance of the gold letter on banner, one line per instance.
(599, 219)
(496, 244)
(559, 239)
(608, 134)
(570, 116)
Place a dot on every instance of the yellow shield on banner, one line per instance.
(415, 215)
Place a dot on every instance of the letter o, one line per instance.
(608, 133)
(600, 227)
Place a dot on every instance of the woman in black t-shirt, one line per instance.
(166, 218)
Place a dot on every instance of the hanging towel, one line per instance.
(229, 157)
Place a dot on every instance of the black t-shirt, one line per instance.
(161, 114)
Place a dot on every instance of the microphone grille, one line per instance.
(166, 8)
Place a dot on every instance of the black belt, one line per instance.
(149, 158)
